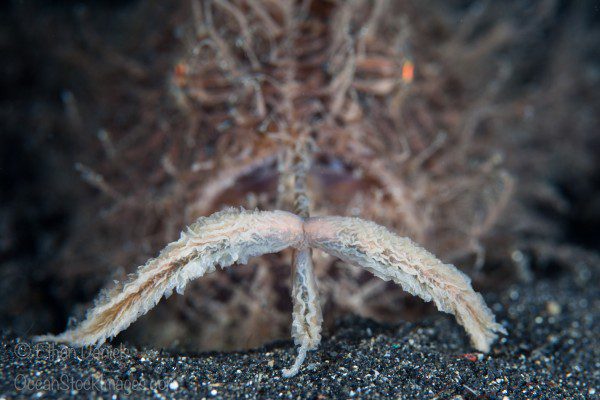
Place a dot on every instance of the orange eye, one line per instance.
(408, 71)
(181, 70)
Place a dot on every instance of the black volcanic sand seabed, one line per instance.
(552, 351)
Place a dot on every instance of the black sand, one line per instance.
(552, 351)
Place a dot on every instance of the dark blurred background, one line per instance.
(87, 113)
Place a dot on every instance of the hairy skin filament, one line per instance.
(235, 235)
